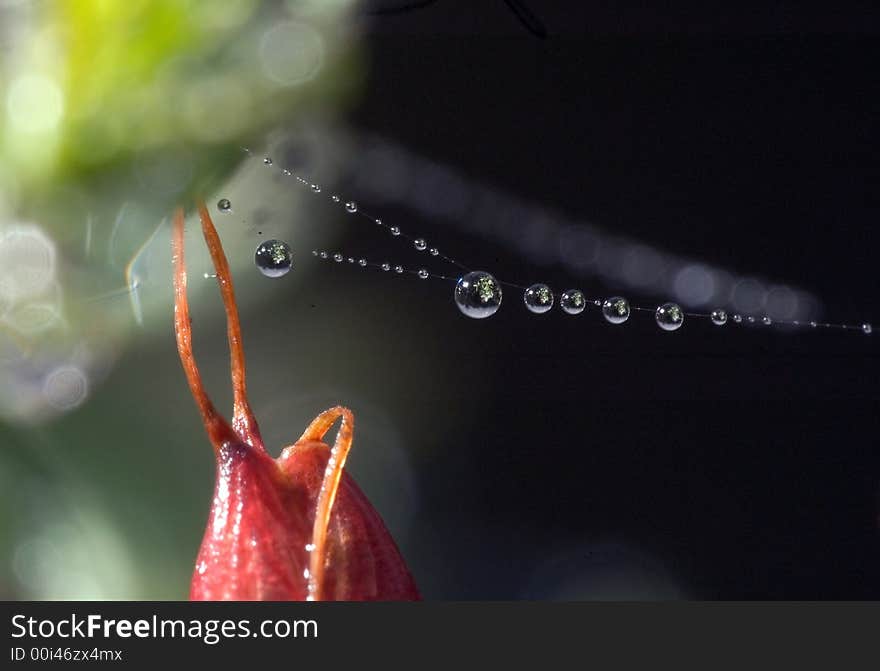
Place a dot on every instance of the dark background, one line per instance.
(732, 463)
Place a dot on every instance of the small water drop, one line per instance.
(767, 321)
(423, 274)
(335, 198)
(314, 252)
(751, 320)
(420, 244)
(337, 257)
(362, 262)
(616, 309)
(718, 317)
(867, 329)
(395, 230)
(350, 259)
(669, 316)
(273, 258)
(323, 255)
(286, 172)
(351, 207)
(398, 269)
(572, 301)
(386, 266)
(538, 298)
(737, 318)
(378, 222)
(267, 160)
(477, 295)
(224, 205)
(433, 251)
(316, 188)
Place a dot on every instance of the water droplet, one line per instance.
(362, 262)
(867, 329)
(335, 198)
(273, 258)
(323, 255)
(751, 320)
(669, 317)
(316, 188)
(350, 259)
(572, 301)
(337, 257)
(477, 295)
(767, 321)
(737, 318)
(267, 160)
(395, 230)
(351, 207)
(538, 298)
(314, 252)
(398, 269)
(286, 172)
(423, 274)
(420, 244)
(433, 251)
(386, 266)
(224, 205)
(378, 222)
(616, 309)
(718, 317)
(814, 324)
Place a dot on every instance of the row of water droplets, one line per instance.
(478, 294)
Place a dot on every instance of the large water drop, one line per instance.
(273, 258)
(669, 317)
(538, 298)
(572, 301)
(478, 295)
(616, 309)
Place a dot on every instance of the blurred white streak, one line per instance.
(132, 277)
(695, 285)
(111, 241)
(388, 173)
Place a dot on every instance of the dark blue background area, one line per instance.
(745, 460)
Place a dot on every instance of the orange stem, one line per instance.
(243, 420)
(329, 487)
(217, 428)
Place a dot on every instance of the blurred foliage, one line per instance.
(113, 113)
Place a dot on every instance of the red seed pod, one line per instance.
(293, 528)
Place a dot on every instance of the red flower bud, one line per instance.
(292, 528)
